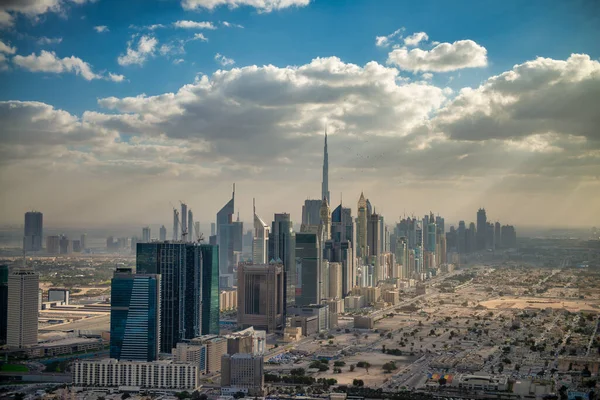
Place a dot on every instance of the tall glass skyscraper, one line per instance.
(282, 249)
(189, 286)
(134, 316)
(34, 231)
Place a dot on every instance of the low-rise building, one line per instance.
(497, 383)
(249, 340)
(242, 373)
(361, 322)
(292, 334)
(308, 325)
(136, 375)
(228, 299)
(392, 297)
(64, 346)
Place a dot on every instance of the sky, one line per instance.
(113, 111)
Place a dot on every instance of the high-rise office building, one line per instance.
(481, 229)
(225, 234)
(242, 372)
(83, 241)
(508, 236)
(341, 248)
(461, 240)
(325, 223)
(189, 288)
(282, 248)
(261, 300)
(335, 280)
(3, 302)
(53, 244)
(361, 228)
(65, 245)
(134, 316)
(23, 305)
(184, 224)
(325, 181)
(213, 229)
(260, 239)
(190, 226)
(308, 265)
(311, 212)
(196, 231)
(497, 235)
(175, 225)
(34, 231)
(238, 235)
(373, 232)
(162, 233)
(146, 234)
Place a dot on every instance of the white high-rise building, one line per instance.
(260, 239)
(23, 303)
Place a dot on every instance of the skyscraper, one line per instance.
(225, 235)
(342, 246)
(361, 228)
(461, 241)
(196, 234)
(34, 231)
(83, 241)
(325, 223)
(261, 298)
(23, 305)
(184, 223)
(481, 229)
(162, 233)
(497, 235)
(308, 256)
(189, 288)
(260, 238)
(311, 212)
(3, 302)
(282, 249)
(146, 234)
(134, 316)
(175, 225)
(373, 232)
(190, 226)
(238, 234)
(325, 182)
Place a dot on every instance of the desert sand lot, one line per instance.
(541, 303)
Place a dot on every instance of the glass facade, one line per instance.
(210, 289)
(3, 302)
(134, 316)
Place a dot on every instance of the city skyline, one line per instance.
(421, 113)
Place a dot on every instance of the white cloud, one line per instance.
(231, 25)
(385, 41)
(194, 25)
(178, 61)
(200, 36)
(427, 75)
(115, 77)
(442, 58)
(261, 5)
(48, 62)
(224, 61)
(31, 8)
(47, 41)
(146, 47)
(415, 39)
(5, 48)
(101, 28)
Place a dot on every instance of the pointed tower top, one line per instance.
(233, 195)
(238, 216)
(253, 205)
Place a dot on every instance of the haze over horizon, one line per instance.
(108, 114)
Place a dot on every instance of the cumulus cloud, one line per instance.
(261, 5)
(7, 49)
(116, 77)
(101, 28)
(194, 25)
(442, 58)
(31, 8)
(534, 98)
(386, 41)
(415, 39)
(200, 36)
(224, 61)
(47, 61)
(530, 130)
(48, 41)
(146, 47)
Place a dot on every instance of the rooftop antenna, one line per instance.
(254, 206)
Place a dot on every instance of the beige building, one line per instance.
(204, 351)
(335, 280)
(191, 353)
(23, 305)
(138, 375)
(260, 296)
(392, 297)
(242, 373)
(354, 302)
(370, 294)
(228, 299)
(292, 334)
(247, 341)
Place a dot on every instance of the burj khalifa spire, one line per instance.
(325, 182)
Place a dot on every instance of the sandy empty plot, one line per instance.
(541, 303)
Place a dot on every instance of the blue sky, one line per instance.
(511, 31)
(484, 103)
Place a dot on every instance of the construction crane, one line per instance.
(199, 235)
